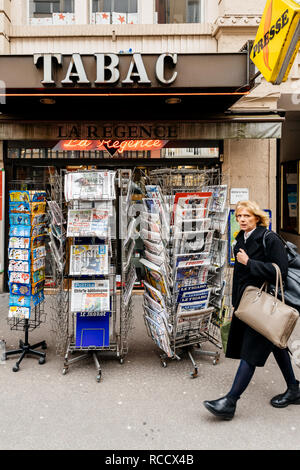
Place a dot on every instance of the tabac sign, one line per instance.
(278, 39)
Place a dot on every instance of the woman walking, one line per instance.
(253, 266)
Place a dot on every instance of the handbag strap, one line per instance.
(278, 278)
(278, 281)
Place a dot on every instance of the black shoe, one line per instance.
(290, 397)
(223, 408)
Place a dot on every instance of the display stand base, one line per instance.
(86, 355)
(189, 350)
(26, 349)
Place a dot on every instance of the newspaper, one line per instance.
(190, 277)
(194, 301)
(219, 252)
(89, 259)
(220, 220)
(56, 213)
(88, 223)
(90, 296)
(194, 241)
(90, 185)
(219, 197)
(132, 277)
(159, 335)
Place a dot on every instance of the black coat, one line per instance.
(243, 341)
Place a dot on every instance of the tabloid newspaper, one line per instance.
(90, 296)
(89, 259)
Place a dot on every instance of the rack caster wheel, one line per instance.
(121, 360)
(194, 374)
(42, 360)
(64, 371)
(98, 378)
(15, 368)
(215, 362)
(163, 364)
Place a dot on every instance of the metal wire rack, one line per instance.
(192, 331)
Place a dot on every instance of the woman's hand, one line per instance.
(242, 257)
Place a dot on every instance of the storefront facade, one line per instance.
(167, 86)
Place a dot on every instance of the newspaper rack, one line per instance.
(183, 226)
(89, 316)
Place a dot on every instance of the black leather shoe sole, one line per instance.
(284, 405)
(224, 416)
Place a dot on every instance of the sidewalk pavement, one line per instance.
(138, 405)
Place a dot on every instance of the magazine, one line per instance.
(156, 277)
(155, 294)
(19, 312)
(19, 207)
(19, 219)
(19, 254)
(19, 266)
(19, 242)
(89, 259)
(38, 264)
(19, 278)
(39, 252)
(90, 296)
(90, 185)
(88, 223)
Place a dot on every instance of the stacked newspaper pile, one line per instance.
(192, 247)
(155, 233)
(218, 213)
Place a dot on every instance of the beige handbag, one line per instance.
(266, 314)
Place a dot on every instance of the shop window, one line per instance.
(114, 12)
(45, 12)
(179, 11)
(290, 183)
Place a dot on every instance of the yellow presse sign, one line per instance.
(277, 41)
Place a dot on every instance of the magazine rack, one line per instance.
(183, 226)
(26, 256)
(87, 268)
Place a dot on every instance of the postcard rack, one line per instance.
(89, 317)
(26, 260)
(183, 224)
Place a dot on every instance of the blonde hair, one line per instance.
(254, 208)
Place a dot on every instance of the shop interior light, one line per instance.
(47, 101)
(173, 100)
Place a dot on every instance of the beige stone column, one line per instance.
(252, 164)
